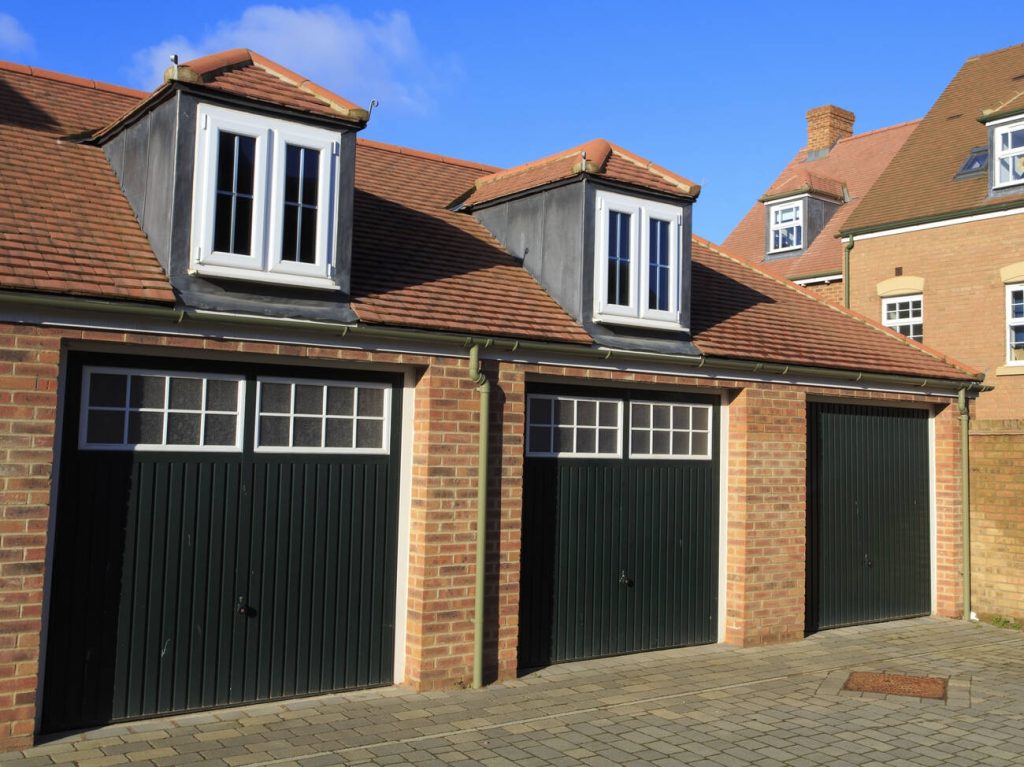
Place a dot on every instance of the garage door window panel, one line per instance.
(667, 430)
(153, 410)
(581, 427)
(315, 416)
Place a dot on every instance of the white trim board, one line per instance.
(935, 224)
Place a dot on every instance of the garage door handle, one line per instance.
(867, 561)
(625, 580)
(244, 609)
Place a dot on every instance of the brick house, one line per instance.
(791, 231)
(243, 361)
(937, 251)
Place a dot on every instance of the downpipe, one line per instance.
(483, 386)
(965, 501)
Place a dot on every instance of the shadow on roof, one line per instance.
(395, 246)
(21, 111)
(717, 297)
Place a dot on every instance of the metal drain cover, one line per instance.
(897, 684)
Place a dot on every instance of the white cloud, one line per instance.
(358, 58)
(13, 37)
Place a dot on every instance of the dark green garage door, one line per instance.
(224, 535)
(620, 525)
(868, 537)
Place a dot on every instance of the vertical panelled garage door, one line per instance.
(868, 532)
(223, 536)
(620, 524)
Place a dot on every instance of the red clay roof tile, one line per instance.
(247, 73)
(597, 157)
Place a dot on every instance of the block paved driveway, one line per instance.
(713, 706)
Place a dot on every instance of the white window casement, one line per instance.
(264, 199)
(785, 226)
(638, 253)
(1008, 153)
(1015, 324)
(669, 430)
(905, 314)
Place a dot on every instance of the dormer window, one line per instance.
(786, 226)
(263, 199)
(1008, 151)
(638, 251)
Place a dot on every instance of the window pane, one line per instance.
(107, 389)
(609, 414)
(275, 398)
(310, 176)
(221, 395)
(220, 429)
(681, 417)
(586, 440)
(339, 432)
(700, 444)
(226, 162)
(147, 392)
(307, 236)
(541, 410)
(309, 399)
(700, 418)
(236, 169)
(659, 266)
(308, 432)
(246, 173)
(660, 442)
(369, 434)
(641, 415)
(662, 416)
(290, 234)
(186, 394)
(145, 428)
(182, 428)
(1017, 304)
(640, 442)
(608, 441)
(371, 402)
(105, 427)
(340, 400)
(243, 227)
(566, 411)
(566, 442)
(273, 431)
(292, 171)
(586, 413)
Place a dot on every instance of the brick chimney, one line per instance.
(826, 125)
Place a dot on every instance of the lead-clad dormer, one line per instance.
(242, 174)
(607, 233)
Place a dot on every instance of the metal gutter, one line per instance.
(483, 386)
(563, 349)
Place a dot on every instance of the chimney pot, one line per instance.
(826, 125)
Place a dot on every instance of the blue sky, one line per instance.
(716, 91)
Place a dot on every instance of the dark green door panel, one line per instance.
(868, 533)
(184, 581)
(619, 555)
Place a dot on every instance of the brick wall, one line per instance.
(964, 297)
(832, 291)
(764, 567)
(997, 518)
(826, 125)
(766, 557)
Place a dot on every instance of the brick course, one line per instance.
(766, 458)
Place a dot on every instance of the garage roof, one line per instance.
(66, 228)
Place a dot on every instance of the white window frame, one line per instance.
(385, 447)
(799, 203)
(265, 263)
(672, 430)
(551, 450)
(1000, 129)
(125, 446)
(641, 212)
(1012, 323)
(894, 324)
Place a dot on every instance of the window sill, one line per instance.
(274, 278)
(1010, 370)
(638, 322)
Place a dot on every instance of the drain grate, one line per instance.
(897, 684)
